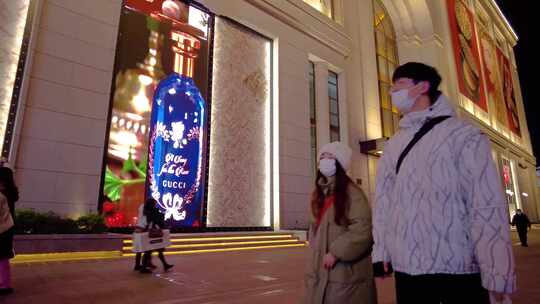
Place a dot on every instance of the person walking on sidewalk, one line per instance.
(338, 269)
(154, 221)
(522, 223)
(140, 228)
(440, 215)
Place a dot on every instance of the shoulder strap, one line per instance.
(418, 135)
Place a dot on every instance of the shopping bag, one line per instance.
(155, 233)
(144, 242)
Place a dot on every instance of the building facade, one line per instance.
(278, 79)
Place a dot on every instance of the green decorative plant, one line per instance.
(91, 223)
(113, 183)
(28, 221)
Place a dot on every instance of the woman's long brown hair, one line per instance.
(341, 203)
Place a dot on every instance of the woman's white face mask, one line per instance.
(327, 166)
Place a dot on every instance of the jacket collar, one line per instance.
(441, 107)
(327, 184)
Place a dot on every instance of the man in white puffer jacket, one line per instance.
(440, 218)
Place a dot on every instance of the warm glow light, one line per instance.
(223, 244)
(65, 256)
(12, 36)
(124, 142)
(504, 19)
(198, 19)
(259, 82)
(515, 185)
(323, 6)
(275, 139)
(226, 238)
(225, 249)
(140, 102)
(268, 141)
(144, 79)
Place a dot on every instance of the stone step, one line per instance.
(219, 242)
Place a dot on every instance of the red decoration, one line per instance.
(509, 93)
(108, 207)
(466, 54)
(506, 174)
(115, 220)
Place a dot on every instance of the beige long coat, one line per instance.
(351, 279)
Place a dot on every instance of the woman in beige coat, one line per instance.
(339, 266)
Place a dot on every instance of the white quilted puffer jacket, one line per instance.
(445, 212)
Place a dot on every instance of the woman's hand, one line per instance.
(329, 261)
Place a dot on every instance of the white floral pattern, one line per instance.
(173, 205)
(238, 135)
(177, 133)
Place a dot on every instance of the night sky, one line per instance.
(520, 16)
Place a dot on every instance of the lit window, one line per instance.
(334, 106)
(313, 117)
(387, 61)
(324, 6)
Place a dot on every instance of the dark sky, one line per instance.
(520, 16)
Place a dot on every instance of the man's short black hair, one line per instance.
(420, 72)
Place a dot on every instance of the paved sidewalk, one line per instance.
(268, 276)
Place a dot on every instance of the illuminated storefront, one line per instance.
(169, 114)
(216, 109)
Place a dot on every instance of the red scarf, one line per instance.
(328, 202)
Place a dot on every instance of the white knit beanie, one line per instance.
(341, 151)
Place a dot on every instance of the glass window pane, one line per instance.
(388, 29)
(391, 69)
(384, 95)
(334, 104)
(387, 60)
(390, 49)
(378, 13)
(312, 111)
(383, 73)
(323, 6)
(332, 77)
(334, 135)
(334, 120)
(396, 121)
(313, 116)
(332, 91)
(313, 133)
(334, 107)
(387, 122)
(391, 32)
(380, 41)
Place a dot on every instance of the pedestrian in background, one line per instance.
(155, 222)
(522, 223)
(9, 195)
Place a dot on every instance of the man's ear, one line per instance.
(424, 87)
